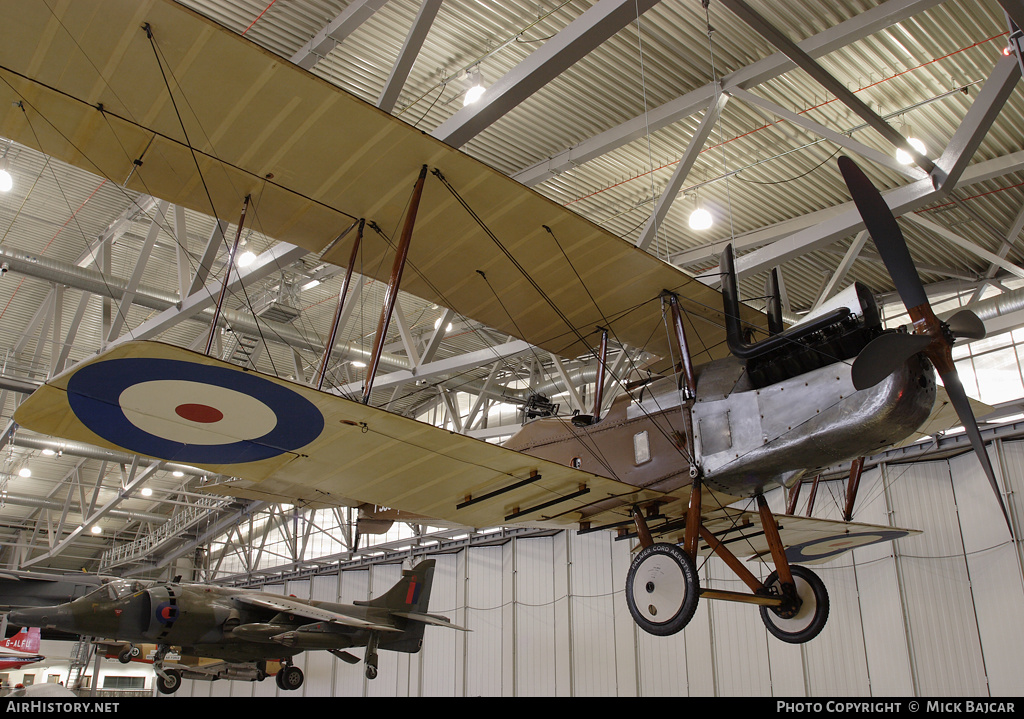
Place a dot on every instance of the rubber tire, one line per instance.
(810, 620)
(662, 579)
(171, 684)
(371, 672)
(290, 678)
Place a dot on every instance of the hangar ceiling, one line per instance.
(630, 120)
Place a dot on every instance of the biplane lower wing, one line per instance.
(285, 442)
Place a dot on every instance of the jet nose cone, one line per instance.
(53, 617)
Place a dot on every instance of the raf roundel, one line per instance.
(191, 412)
(818, 550)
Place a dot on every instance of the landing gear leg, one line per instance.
(168, 681)
(804, 610)
(371, 656)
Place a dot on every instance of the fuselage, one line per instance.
(746, 439)
(201, 619)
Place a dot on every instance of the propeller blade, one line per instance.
(967, 324)
(885, 232)
(958, 398)
(884, 355)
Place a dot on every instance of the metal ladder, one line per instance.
(81, 653)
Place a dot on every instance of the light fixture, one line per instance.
(437, 323)
(49, 452)
(25, 472)
(96, 529)
(902, 156)
(246, 259)
(700, 218)
(146, 492)
(177, 473)
(474, 85)
(357, 363)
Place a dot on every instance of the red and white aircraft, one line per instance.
(20, 650)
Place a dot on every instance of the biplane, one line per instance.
(735, 404)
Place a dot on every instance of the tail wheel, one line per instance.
(169, 683)
(662, 589)
(808, 619)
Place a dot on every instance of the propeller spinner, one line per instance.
(930, 335)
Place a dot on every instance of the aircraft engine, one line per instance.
(184, 615)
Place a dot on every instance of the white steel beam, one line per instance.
(354, 15)
(683, 167)
(864, 24)
(407, 56)
(575, 41)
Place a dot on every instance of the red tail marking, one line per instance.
(27, 640)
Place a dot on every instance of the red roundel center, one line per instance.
(199, 413)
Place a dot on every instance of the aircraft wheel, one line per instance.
(290, 678)
(810, 617)
(371, 672)
(170, 683)
(662, 589)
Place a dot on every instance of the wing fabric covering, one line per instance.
(363, 454)
(92, 94)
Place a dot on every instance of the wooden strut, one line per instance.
(341, 299)
(602, 365)
(391, 291)
(227, 277)
(856, 469)
(771, 533)
(814, 493)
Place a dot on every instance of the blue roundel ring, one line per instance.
(166, 613)
(818, 549)
(94, 392)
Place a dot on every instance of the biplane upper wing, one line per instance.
(285, 442)
(84, 82)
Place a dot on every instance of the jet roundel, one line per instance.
(163, 612)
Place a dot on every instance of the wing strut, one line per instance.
(227, 277)
(391, 291)
(341, 297)
(856, 469)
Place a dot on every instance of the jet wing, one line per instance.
(284, 604)
(82, 83)
(432, 619)
(284, 442)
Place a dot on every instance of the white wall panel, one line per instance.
(534, 635)
(994, 567)
(485, 582)
(592, 613)
(936, 586)
(435, 661)
(739, 640)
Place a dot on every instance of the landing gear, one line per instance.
(289, 678)
(662, 589)
(169, 681)
(371, 655)
(128, 653)
(804, 610)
